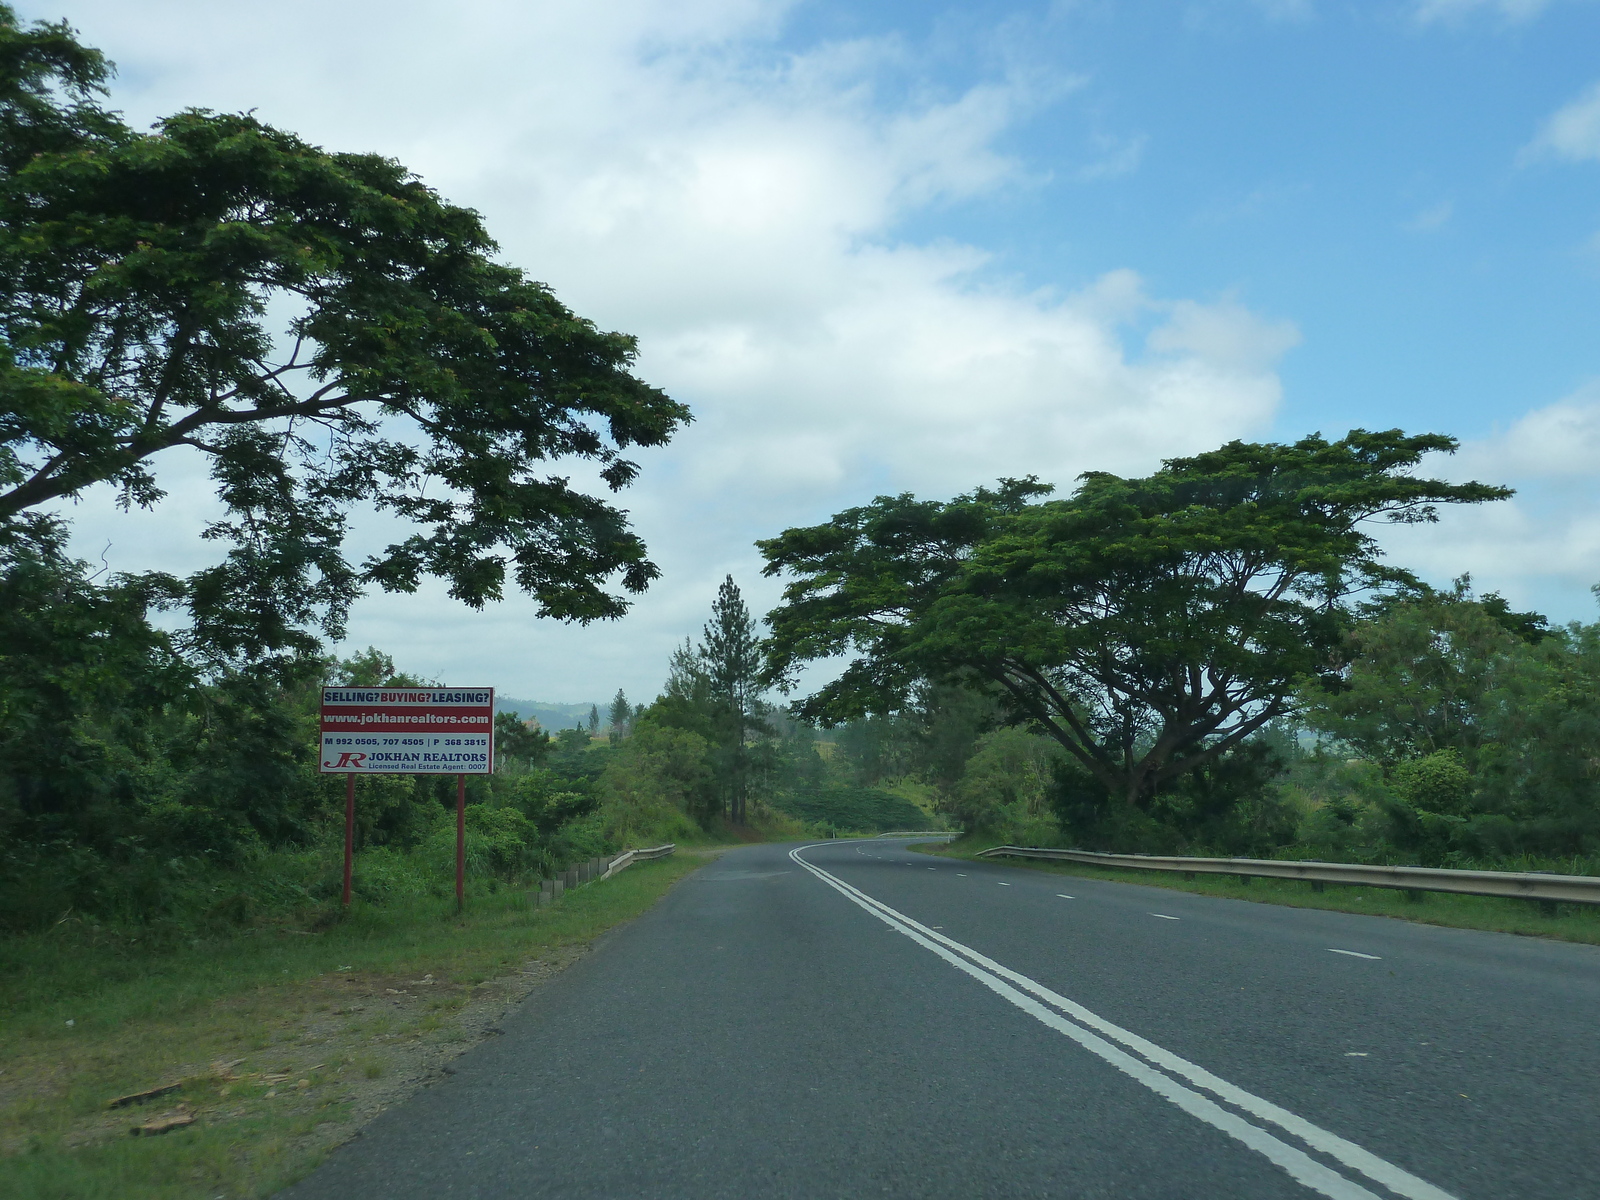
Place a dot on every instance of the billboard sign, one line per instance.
(407, 731)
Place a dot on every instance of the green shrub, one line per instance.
(853, 809)
(500, 843)
(1436, 783)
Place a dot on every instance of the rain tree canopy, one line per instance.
(326, 331)
(1148, 625)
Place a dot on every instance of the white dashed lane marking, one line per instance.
(1357, 954)
(1164, 917)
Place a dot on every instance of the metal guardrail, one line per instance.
(1524, 885)
(595, 868)
(629, 857)
(919, 833)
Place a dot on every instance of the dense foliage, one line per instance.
(1150, 626)
(1456, 733)
(1214, 659)
(711, 749)
(1475, 727)
(141, 279)
(325, 332)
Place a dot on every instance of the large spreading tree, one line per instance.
(322, 328)
(1149, 625)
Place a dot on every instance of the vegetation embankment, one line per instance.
(1566, 922)
(284, 1040)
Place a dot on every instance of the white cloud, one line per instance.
(1541, 549)
(1572, 131)
(673, 172)
(1514, 548)
(1225, 335)
(1560, 441)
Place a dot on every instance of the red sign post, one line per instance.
(407, 731)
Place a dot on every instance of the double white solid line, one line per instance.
(1160, 1070)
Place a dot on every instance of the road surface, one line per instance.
(854, 1019)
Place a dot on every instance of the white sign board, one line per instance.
(407, 731)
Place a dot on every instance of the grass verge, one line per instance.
(283, 1041)
(1569, 923)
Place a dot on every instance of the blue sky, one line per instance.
(1350, 166)
(911, 246)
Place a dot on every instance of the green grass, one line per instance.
(342, 1008)
(1570, 922)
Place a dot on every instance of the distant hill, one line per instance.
(551, 717)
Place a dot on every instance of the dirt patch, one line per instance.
(326, 1054)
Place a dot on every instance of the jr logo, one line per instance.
(347, 759)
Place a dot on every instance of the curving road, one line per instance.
(854, 1019)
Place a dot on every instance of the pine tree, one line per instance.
(621, 716)
(594, 719)
(731, 657)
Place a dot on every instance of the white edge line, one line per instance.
(1300, 1166)
(1395, 1178)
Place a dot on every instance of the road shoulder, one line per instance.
(291, 1054)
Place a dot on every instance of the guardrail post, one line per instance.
(1318, 886)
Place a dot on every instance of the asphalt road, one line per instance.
(882, 1023)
